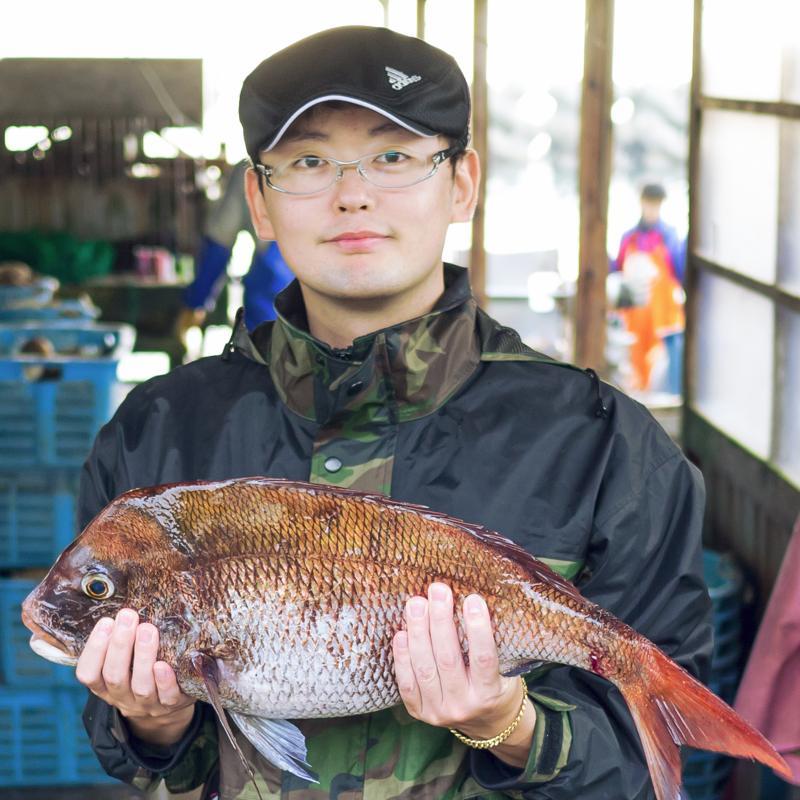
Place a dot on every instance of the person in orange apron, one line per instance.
(652, 256)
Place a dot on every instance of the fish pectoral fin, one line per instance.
(206, 669)
(279, 741)
(522, 668)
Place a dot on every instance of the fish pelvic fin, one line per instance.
(671, 708)
(205, 667)
(279, 741)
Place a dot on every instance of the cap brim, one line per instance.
(355, 101)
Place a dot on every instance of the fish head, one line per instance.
(62, 610)
(115, 563)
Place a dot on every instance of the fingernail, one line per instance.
(475, 604)
(161, 670)
(145, 635)
(104, 625)
(439, 592)
(127, 619)
(416, 607)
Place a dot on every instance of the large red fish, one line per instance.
(279, 600)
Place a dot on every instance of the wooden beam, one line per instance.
(781, 109)
(480, 141)
(692, 279)
(780, 297)
(595, 173)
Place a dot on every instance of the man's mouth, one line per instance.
(358, 241)
(349, 235)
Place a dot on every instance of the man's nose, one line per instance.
(351, 191)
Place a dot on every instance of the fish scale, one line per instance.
(278, 600)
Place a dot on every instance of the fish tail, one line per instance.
(671, 708)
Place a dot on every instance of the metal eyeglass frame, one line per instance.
(438, 158)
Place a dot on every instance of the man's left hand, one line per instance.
(435, 684)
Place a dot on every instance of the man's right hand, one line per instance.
(188, 318)
(119, 665)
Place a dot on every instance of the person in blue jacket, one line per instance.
(268, 272)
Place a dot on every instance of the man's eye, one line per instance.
(309, 162)
(391, 157)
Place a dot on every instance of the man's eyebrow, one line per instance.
(390, 127)
(308, 134)
(301, 134)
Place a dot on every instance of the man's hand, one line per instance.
(436, 686)
(119, 665)
(188, 318)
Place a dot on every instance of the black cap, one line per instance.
(405, 79)
(653, 191)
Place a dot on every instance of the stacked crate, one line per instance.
(705, 773)
(57, 388)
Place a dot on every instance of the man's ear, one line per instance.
(466, 182)
(258, 207)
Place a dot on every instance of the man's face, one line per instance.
(357, 241)
(651, 210)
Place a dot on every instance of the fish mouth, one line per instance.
(44, 644)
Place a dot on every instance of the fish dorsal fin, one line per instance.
(205, 668)
(278, 740)
(536, 570)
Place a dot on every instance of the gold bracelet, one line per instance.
(485, 744)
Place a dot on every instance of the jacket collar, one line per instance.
(404, 371)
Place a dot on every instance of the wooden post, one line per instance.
(595, 173)
(480, 141)
(692, 278)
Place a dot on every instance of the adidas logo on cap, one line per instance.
(399, 80)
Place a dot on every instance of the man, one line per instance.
(382, 375)
(268, 272)
(651, 263)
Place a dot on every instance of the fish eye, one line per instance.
(97, 586)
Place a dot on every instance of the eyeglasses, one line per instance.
(392, 169)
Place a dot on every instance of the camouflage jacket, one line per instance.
(452, 411)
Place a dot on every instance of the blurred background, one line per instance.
(641, 215)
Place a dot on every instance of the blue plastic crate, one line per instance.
(37, 516)
(31, 296)
(726, 656)
(19, 665)
(43, 741)
(52, 407)
(61, 311)
(725, 586)
(724, 683)
(725, 582)
(705, 774)
(71, 339)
